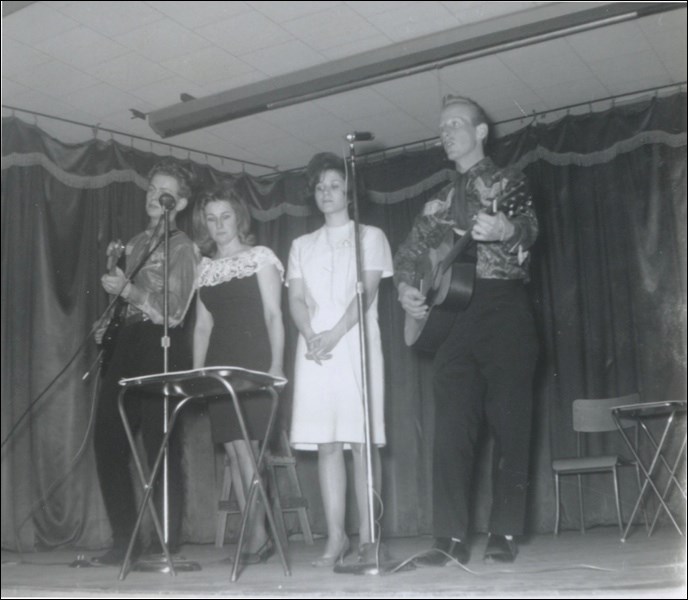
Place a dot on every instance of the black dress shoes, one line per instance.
(443, 551)
(500, 549)
(112, 558)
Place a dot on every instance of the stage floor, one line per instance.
(593, 565)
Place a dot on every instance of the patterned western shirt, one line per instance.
(184, 258)
(485, 185)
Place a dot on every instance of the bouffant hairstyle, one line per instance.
(319, 164)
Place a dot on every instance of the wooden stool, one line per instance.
(225, 505)
(295, 502)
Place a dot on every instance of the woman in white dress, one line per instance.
(328, 410)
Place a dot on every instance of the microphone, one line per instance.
(359, 136)
(167, 201)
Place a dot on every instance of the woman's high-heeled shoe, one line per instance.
(262, 555)
(330, 560)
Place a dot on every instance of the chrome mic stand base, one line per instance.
(158, 563)
(379, 564)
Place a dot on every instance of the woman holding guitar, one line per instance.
(485, 357)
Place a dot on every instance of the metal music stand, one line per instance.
(201, 384)
(668, 413)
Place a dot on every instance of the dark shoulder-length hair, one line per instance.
(221, 193)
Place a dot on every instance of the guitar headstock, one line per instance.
(516, 200)
(114, 252)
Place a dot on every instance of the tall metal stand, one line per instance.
(375, 567)
(161, 563)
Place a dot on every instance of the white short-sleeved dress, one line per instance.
(327, 397)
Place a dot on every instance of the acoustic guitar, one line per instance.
(446, 277)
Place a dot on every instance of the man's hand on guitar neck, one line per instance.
(412, 301)
(492, 228)
(114, 284)
(100, 330)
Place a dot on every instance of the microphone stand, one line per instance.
(161, 564)
(376, 567)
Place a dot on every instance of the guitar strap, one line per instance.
(459, 206)
(460, 212)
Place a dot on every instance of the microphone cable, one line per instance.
(81, 346)
(94, 400)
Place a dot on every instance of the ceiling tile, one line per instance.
(368, 9)
(36, 23)
(416, 95)
(49, 105)
(11, 89)
(532, 54)
(627, 67)
(546, 68)
(70, 61)
(394, 121)
(664, 24)
(82, 47)
(646, 82)
(583, 90)
(103, 99)
(200, 12)
(166, 40)
(478, 72)
(470, 12)
(329, 28)
(414, 20)
(677, 69)
(615, 40)
(56, 77)
(235, 81)
(245, 33)
(670, 48)
(129, 71)
(281, 12)
(500, 102)
(18, 57)
(123, 121)
(380, 40)
(207, 66)
(165, 93)
(316, 128)
(356, 103)
(285, 58)
(295, 113)
(112, 17)
(248, 132)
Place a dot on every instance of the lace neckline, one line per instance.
(243, 264)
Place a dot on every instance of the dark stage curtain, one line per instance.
(608, 286)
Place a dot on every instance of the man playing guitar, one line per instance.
(137, 351)
(484, 368)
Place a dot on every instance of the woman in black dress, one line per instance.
(238, 323)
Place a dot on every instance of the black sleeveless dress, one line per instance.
(229, 289)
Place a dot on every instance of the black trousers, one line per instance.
(484, 371)
(138, 352)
